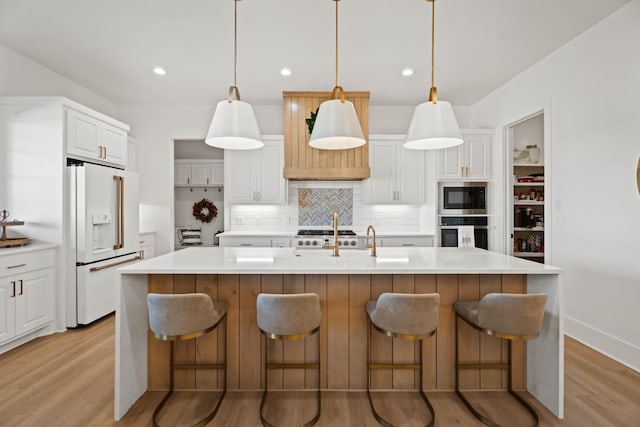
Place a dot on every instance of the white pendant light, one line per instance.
(433, 124)
(337, 126)
(234, 125)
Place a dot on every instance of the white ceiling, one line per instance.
(111, 47)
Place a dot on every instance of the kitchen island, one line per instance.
(344, 284)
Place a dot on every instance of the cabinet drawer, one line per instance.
(27, 261)
(406, 241)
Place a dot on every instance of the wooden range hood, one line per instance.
(302, 162)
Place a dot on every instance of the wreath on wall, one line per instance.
(204, 211)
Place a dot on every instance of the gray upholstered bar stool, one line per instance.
(404, 316)
(505, 316)
(288, 317)
(176, 317)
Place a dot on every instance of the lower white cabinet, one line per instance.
(26, 293)
(147, 242)
(390, 242)
(252, 241)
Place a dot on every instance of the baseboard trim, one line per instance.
(615, 348)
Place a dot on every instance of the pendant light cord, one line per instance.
(433, 36)
(338, 91)
(433, 92)
(336, 41)
(235, 42)
(233, 90)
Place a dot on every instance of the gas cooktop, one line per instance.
(325, 233)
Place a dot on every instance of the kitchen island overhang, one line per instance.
(343, 283)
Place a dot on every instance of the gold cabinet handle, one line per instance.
(105, 152)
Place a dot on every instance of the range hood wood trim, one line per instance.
(303, 162)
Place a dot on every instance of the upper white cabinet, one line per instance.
(469, 161)
(397, 174)
(199, 173)
(256, 176)
(92, 138)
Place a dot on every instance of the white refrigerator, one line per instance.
(103, 236)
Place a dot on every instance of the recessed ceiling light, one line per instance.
(407, 72)
(160, 71)
(285, 72)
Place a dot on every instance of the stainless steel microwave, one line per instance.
(463, 198)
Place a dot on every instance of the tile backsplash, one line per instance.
(390, 218)
(316, 205)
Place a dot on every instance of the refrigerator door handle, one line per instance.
(120, 212)
(104, 267)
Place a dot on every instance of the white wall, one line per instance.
(589, 90)
(20, 76)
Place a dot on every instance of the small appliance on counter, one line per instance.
(8, 242)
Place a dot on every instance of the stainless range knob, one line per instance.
(306, 243)
(300, 243)
(314, 243)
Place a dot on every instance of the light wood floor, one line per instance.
(67, 380)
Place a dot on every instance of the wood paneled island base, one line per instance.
(343, 334)
(344, 284)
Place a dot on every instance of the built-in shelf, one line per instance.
(526, 141)
(529, 254)
(527, 202)
(528, 184)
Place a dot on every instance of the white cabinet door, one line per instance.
(410, 175)
(92, 139)
(217, 173)
(200, 173)
(383, 163)
(7, 308)
(451, 162)
(397, 174)
(33, 300)
(114, 144)
(478, 157)
(256, 176)
(82, 135)
(469, 161)
(270, 182)
(182, 174)
(239, 176)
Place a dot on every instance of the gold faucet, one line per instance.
(371, 246)
(334, 220)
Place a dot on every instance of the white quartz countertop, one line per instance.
(33, 246)
(218, 260)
